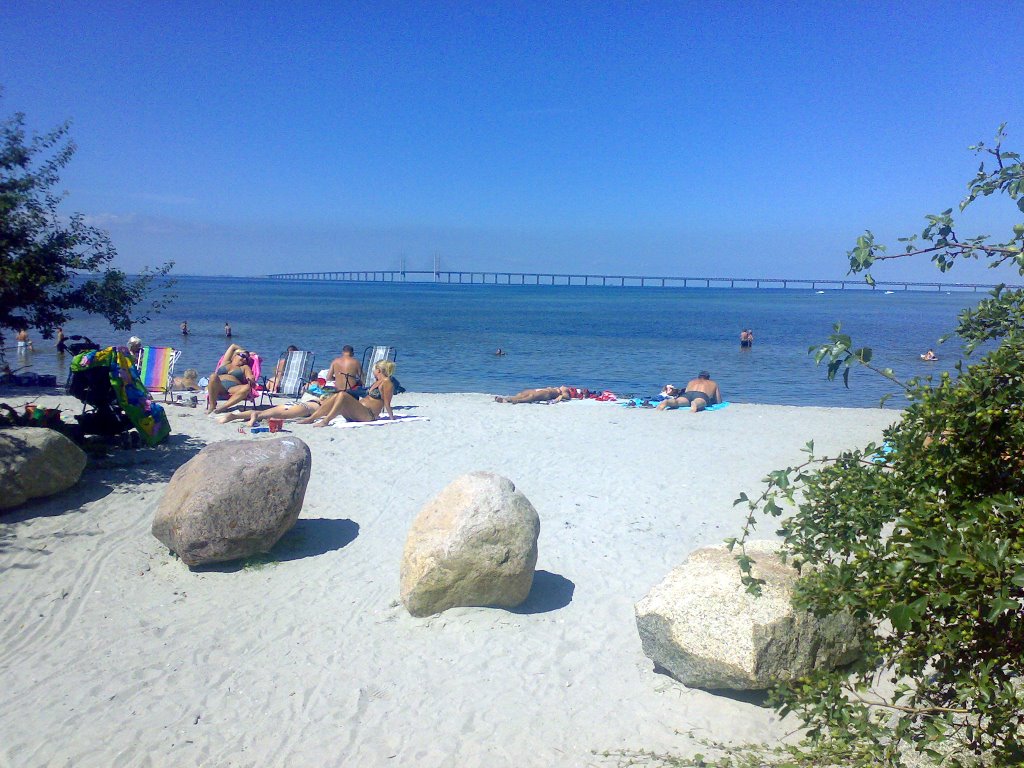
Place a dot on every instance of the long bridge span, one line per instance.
(476, 277)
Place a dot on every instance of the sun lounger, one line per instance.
(372, 356)
(156, 368)
(298, 367)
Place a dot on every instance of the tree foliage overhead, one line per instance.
(920, 538)
(52, 265)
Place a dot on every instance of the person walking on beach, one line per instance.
(227, 329)
(700, 393)
(184, 328)
(345, 371)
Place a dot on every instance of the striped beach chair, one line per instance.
(372, 356)
(298, 367)
(156, 368)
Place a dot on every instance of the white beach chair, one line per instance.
(372, 356)
(298, 367)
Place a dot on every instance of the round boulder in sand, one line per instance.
(233, 499)
(475, 543)
(36, 462)
(703, 628)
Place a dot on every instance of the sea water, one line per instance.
(628, 340)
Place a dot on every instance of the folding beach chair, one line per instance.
(372, 356)
(156, 368)
(298, 368)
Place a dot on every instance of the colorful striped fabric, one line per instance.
(148, 417)
(156, 367)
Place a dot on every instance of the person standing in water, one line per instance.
(184, 328)
(227, 329)
(24, 342)
(60, 345)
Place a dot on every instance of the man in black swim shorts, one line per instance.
(700, 393)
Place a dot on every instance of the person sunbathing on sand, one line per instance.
(700, 393)
(369, 408)
(300, 410)
(546, 394)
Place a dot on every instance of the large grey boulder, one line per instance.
(36, 462)
(233, 499)
(703, 628)
(475, 543)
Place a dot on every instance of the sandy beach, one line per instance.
(112, 652)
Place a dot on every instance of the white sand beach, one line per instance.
(113, 653)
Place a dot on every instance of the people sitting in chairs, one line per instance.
(546, 394)
(233, 381)
(274, 382)
(368, 408)
(345, 371)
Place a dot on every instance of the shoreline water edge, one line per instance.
(113, 652)
(627, 340)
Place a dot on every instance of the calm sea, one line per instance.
(629, 340)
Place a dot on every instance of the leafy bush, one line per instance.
(922, 537)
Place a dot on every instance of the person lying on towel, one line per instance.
(546, 395)
(700, 393)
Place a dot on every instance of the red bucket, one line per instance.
(275, 424)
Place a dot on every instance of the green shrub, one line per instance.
(921, 538)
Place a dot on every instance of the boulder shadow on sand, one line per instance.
(550, 592)
(309, 537)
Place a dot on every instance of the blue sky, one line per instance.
(730, 139)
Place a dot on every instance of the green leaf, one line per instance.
(900, 616)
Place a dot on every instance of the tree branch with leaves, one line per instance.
(53, 265)
(920, 538)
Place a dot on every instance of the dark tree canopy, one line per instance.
(52, 265)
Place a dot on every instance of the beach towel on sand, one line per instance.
(378, 423)
(133, 397)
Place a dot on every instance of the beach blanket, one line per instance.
(133, 397)
(378, 423)
(638, 402)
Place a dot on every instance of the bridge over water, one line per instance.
(476, 277)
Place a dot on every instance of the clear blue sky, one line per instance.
(736, 139)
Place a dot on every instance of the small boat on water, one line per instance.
(888, 292)
(819, 291)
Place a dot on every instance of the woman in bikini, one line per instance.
(307, 405)
(232, 381)
(369, 408)
(546, 395)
